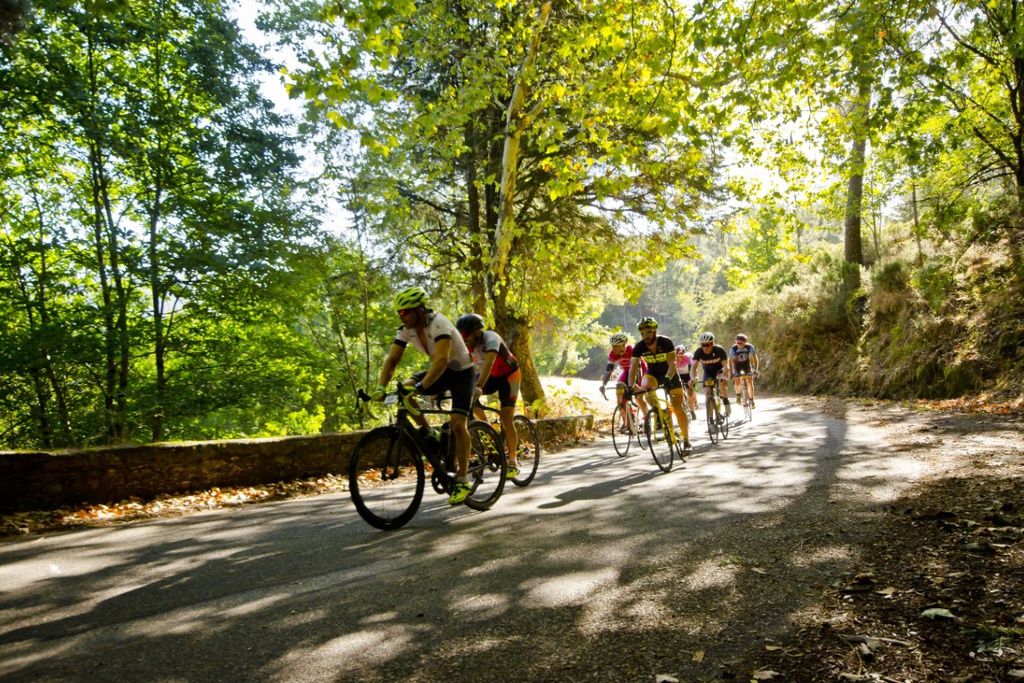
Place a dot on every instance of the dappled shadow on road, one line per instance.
(603, 570)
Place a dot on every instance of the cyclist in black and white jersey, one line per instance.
(713, 358)
(451, 368)
(743, 357)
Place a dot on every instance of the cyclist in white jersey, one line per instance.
(451, 369)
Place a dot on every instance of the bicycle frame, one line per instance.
(718, 421)
(401, 419)
(665, 418)
(388, 467)
(634, 427)
(746, 392)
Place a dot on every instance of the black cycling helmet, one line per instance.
(469, 323)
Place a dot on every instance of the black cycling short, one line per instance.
(673, 383)
(460, 383)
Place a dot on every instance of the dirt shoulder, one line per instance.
(938, 594)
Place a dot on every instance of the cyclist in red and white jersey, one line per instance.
(621, 356)
(497, 371)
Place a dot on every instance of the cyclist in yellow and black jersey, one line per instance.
(660, 355)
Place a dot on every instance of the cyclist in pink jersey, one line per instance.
(621, 355)
(684, 359)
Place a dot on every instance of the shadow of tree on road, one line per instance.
(626, 575)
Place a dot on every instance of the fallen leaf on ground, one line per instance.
(937, 613)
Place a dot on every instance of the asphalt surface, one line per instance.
(604, 569)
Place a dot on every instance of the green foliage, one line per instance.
(149, 227)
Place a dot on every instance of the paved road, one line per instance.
(604, 569)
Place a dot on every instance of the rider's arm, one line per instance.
(607, 373)
(670, 357)
(754, 362)
(390, 363)
(438, 361)
(485, 369)
(633, 366)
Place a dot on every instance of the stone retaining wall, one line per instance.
(43, 479)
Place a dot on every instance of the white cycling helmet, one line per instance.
(707, 337)
(618, 338)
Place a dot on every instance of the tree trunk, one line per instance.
(105, 242)
(917, 225)
(560, 370)
(854, 249)
(515, 122)
(478, 285)
(159, 348)
(516, 332)
(514, 329)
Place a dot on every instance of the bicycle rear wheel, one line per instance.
(641, 432)
(487, 466)
(724, 426)
(621, 441)
(385, 478)
(658, 439)
(528, 451)
(712, 410)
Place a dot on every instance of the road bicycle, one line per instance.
(748, 402)
(718, 421)
(627, 426)
(663, 442)
(528, 448)
(387, 469)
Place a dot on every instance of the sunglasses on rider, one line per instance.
(403, 311)
(707, 344)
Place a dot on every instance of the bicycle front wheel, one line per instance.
(528, 451)
(712, 410)
(385, 478)
(487, 466)
(621, 437)
(724, 426)
(659, 435)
